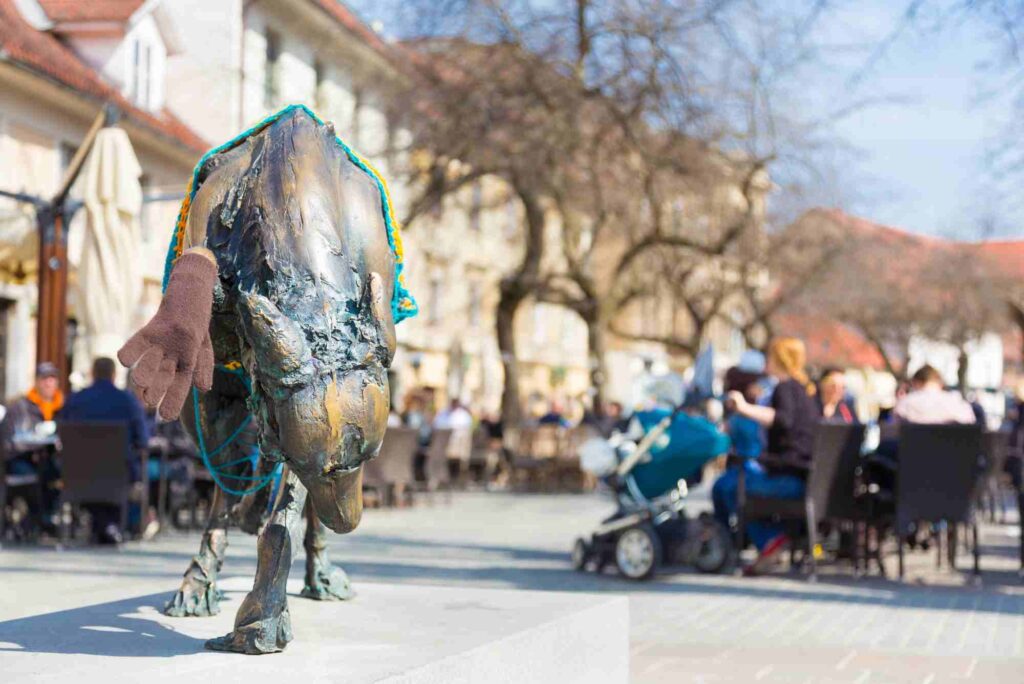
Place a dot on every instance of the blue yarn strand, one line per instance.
(215, 472)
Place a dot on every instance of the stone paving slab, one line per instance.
(389, 633)
(683, 626)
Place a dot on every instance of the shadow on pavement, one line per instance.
(105, 629)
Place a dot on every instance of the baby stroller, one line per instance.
(650, 480)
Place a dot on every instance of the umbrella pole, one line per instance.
(53, 220)
(52, 332)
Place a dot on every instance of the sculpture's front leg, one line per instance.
(324, 580)
(198, 595)
(262, 624)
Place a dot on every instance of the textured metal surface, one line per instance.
(303, 302)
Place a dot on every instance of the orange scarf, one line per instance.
(47, 408)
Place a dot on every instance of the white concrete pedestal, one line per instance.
(388, 633)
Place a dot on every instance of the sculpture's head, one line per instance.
(324, 422)
(302, 238)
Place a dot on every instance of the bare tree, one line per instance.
(604, 117)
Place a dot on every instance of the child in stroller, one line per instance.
(650, 481)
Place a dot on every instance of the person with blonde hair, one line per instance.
(780, 472)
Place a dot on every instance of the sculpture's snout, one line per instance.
(337, 498)
(327, 430)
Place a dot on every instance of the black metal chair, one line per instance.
(29, 488)
(831, 488)
(95, 466)
(937, 476)
(995, 448)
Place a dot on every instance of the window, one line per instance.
(319, 96)
(6, 309)
(145, 221)
(140, 74)
(474, 304)
(357, 113)
(273, 54)
(434, 301)
(145, 77)
(67, 153)
(511, 219)
(476, 206)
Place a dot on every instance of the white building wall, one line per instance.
(984, 360)
(203, 83)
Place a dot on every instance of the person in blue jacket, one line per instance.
(103, 401)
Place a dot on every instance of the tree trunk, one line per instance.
(514, 290)
(963, 362)
(511, 409)
(596, 349)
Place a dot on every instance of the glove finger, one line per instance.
(170, 407)
(146, 369)
(133, 349)
(202, 378)
(161, 381)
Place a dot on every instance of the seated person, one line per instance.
(746, 434)
(928, 402)
(610, 421)
(833, 403)
(39, 405)
(781, 471)
(102, 401)
(554, 416)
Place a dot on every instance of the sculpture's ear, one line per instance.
(380, 307)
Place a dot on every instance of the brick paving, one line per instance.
(937, 627)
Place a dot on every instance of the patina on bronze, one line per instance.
(306, 278)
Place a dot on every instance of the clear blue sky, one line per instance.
(917, 159)
(921, 160)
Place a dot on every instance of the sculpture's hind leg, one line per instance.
(263, 624)
(324, 580)
(223, 417)
(198, 595)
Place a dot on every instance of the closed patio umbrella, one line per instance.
(110, 280)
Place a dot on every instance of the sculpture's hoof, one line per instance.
(195, 600)
(332, 585)
(269, 635)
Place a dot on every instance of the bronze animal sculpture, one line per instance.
(283, 290)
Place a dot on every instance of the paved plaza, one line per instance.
(683, 627)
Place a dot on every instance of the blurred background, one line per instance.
(607, 206)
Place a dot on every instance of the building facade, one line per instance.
(59, 64)
(182, 91)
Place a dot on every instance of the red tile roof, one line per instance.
(1007, 255)
(45, 55)
(90, 10)
(831, 343)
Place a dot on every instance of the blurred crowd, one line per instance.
(768, 406)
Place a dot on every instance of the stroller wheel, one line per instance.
(638, 552)
(715, 548)
(580, 554)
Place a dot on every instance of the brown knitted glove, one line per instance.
(173, 350)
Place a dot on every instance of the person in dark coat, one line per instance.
(103, 401)
(781, 470)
